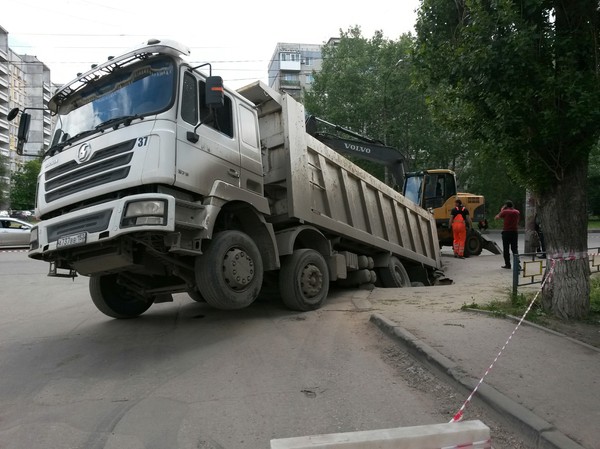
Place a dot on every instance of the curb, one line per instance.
(538, 432)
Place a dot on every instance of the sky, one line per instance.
(237, 37)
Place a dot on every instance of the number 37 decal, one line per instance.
(142, 141)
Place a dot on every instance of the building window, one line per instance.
(294, 57)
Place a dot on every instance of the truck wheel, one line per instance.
(304, 280)
(115, 300)
(394, 275)
(474, 245)
(230, 272)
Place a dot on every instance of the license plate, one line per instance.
(73, 239)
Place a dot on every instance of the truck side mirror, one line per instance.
(23, 132)
(214, 95)
(12, 114)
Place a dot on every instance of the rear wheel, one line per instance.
(304, 280)
(394, 275)
(112, 297)
(230, 272)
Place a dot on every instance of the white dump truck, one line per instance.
(159, 180)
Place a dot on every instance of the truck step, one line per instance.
(189, 215)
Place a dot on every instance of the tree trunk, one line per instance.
(563, 212)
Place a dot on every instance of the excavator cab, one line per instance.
(431, 189)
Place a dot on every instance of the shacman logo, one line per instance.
(84, 152)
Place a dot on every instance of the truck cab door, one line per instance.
(214, 153)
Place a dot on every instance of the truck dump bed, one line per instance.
(306, 181)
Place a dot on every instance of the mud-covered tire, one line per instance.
(304, 280)
(394, 275)
(230, 272)
(114, 299)
(473, 245)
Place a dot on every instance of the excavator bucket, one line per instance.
(491, 246)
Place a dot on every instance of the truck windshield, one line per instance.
(140, 89)
(412, 188)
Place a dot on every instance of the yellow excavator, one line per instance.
(433, 189)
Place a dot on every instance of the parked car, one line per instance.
(14, 232)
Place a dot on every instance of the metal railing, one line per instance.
(530, 268)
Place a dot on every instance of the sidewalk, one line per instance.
(544, 383)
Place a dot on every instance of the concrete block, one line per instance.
(466, 434)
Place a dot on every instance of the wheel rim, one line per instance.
(238, 269)
(311, 280)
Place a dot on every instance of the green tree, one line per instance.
(23, 186)
(522, 77)
(366, 85)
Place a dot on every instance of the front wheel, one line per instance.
(304, 280)
(111, 296)
(473, 245)
(230, 272)
(394, 275)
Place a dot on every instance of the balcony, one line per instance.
(289, 84)
(294, 66)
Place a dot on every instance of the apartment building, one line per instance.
(291, 67)
(24, 83)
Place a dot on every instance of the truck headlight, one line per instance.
(144, 212)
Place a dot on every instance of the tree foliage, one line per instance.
(23, 186)
(520, 75)
(366, 85)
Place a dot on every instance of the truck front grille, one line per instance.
(106, 165)
(91, 223)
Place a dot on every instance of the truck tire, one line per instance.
(230, 272)
(304, 280)
(115, 300)
(474, 245)
(394, 275)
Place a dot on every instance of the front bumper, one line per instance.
(53, 238)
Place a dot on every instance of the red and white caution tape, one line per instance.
(571, 255)
(459, 415)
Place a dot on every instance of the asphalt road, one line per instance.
(187, 376)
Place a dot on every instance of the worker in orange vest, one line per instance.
(460, 221)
